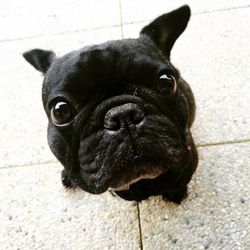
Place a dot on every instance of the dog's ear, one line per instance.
(40, 59)
(165, 29)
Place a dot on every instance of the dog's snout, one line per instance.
(124, 115)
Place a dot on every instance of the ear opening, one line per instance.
(165, 29)
(40, 59)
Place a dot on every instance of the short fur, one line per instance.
(114, 80)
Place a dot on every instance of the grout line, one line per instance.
(59, 33)
(31, 164)
(222, 143)
(198, 146)
(121, 19)
(121, 25)
(139, 224)
(193, 14)
(221, 10)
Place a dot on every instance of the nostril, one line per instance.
(112, 123)
(137, 154)
(136, 116)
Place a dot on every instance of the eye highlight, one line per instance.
(167, 84)
(62, 112)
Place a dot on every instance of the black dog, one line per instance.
(120, 114)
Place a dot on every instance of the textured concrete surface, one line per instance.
(216, 213)
(28, 18)
(36, 212)
(139, 10)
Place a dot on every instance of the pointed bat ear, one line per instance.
(165, 29)
(40, 59)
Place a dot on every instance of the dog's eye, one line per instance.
(167, 84)
(61, 113)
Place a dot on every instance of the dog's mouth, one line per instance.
(126, 186)
(125, 168)
(123, 180)
(116, 179)
(119, 180)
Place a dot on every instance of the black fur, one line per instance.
(123, 126)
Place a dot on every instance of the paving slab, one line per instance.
(213, 57)
(215, 215)
(36, 212)
(23, 121)
(139, 10)
(29, 18)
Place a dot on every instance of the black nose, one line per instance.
(125, 115)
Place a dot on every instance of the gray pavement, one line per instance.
(36, 212)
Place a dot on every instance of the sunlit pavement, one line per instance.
(36, 212)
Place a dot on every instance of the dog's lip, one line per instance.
(126, 186)
(138, 157)
(89, 187)
(120, 187)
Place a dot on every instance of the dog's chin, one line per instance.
(123, 181)
(125, 185)
(119, 180)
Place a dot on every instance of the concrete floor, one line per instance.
(36, 212)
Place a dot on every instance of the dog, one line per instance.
(119, 114)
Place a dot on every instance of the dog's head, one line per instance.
(116, 113)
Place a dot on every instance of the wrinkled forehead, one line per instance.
(122, 61)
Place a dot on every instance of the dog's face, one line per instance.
(116, 113)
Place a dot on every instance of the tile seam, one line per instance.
(139, 225)
(198, 146)
(121, 18)
(58, 34)
(110, 26)
(223, 143)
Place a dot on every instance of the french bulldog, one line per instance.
(119, 113)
